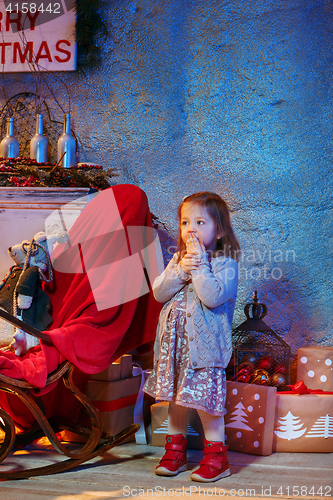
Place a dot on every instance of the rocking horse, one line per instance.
(102, 307)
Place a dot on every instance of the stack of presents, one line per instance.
(260, 418)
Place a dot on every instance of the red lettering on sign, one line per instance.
(46, 55)
(59, 49)
(17, 20)
(1, 16)
(32, 18)
(18, 53)
(3, 52)
(24, 56)
(10, 20)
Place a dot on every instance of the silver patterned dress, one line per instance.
(172, 378)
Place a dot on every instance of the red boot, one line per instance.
(214, 465)
(174, 460)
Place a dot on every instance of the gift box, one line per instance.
(120, 403)
(121, 368)
(249, 420)
(303, 422)
(159, 427)
(116, 402)
(315, 367)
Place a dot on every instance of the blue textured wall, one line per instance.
(234, 97)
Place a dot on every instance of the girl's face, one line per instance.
(194, 218)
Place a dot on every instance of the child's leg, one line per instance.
(174, 459)
(178, 419)
(213, 426)
(215, 464)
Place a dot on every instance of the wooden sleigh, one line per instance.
(97, 442)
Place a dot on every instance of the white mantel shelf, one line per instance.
(36, 198)
(24, 210)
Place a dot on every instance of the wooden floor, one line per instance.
(127, 471)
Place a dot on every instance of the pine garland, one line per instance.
(26, 172)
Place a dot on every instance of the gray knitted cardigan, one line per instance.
(211, 292)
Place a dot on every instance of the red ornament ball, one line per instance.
(243, 376)
(246, 368)
(278, 380)
(245, 373)
(280, 368)
(261, 377)
(250, 358)
(266, 362)
(247, 364)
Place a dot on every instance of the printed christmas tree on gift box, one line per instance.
(299, 417)
(323, 427)
(164, 429)
(291, 427)
(239, 419)
(250, 418)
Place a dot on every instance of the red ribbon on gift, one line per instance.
(116, 404)
(300, 388)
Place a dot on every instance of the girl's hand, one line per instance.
(189, 263)
(194, 246)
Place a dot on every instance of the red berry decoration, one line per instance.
(266, 362)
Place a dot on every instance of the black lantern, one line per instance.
(260, 356)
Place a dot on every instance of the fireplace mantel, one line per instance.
(24, 210)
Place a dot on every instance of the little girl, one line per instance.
(193, 342)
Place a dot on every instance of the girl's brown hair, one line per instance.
(217, 208)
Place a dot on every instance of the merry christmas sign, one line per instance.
(250, 418)
(37, 36)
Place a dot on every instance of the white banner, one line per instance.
(37, 35)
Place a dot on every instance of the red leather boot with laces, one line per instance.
(174, 460)
(214, 465)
